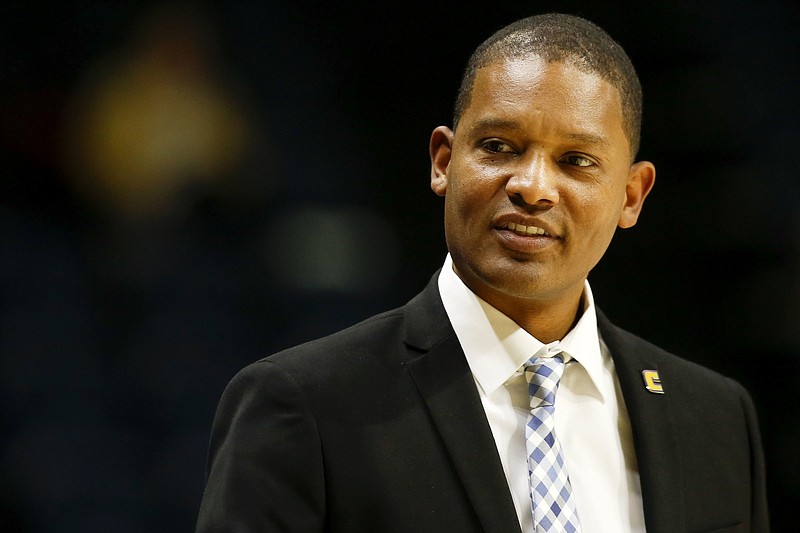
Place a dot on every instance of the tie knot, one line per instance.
(543, 375)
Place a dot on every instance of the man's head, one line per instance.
(557, 37)
(537, 175)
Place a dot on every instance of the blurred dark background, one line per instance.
(187, 187)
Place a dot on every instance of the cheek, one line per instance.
(467, 196)
(598, 213)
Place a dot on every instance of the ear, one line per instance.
(441, 148)
(641, 177)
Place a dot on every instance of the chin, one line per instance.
(521, 285)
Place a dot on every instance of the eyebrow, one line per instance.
(494, 124)
(588, 138)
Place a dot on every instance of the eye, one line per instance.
(577, 160)
(495, 146)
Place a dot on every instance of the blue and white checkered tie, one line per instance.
(551, 493)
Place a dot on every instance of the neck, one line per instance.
(548, 321)
(547, 315)
(548, 318)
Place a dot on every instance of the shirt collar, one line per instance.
(496, 347)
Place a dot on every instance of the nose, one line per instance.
(534, 182)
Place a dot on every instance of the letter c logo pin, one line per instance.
(652, 382)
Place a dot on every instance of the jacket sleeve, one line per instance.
(265, 469)
(759, 513)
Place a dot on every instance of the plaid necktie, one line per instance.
(551, 492)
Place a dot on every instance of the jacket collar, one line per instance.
(444, 381)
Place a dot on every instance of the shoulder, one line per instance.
(367, 359)
(331, 376)
(380, 328)
(679, 374)
(381, 343)
(377, 337)
(704, 425)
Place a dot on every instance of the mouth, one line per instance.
(521, 229)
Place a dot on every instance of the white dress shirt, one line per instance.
(591, 421)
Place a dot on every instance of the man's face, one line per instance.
(536, 179)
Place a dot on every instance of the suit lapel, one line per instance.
(444, 380)
(653, 426)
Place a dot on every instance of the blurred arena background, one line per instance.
(187, 187)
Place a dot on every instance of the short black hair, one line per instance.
(558, 37)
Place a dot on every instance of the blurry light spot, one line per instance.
(332, 249)
(155, 119)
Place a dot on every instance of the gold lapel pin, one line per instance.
(652, 382)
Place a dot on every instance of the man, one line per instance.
(420, 419)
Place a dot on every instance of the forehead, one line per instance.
(559, 95)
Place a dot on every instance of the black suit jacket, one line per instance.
(379, 428)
